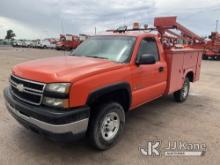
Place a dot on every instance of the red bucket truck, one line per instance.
(68, 42)
(89, 92)
(212, 47)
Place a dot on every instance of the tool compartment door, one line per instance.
(198, 67)
(175, 63)
(180, 62)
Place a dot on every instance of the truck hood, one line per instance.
(63, 68)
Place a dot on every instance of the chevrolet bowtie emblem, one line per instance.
(20, 87)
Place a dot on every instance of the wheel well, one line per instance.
(120, 95)
(190, 75)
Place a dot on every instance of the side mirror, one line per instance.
(146, 59)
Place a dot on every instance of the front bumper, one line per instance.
(55, 124)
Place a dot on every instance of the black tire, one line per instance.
(204, 57)
(182, 94)
(95, 131)
(211, 58)
(215, 58)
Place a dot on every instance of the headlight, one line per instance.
(62, 88)
(54, 102)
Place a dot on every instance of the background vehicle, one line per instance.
(27, 43)
(14, 43)
(90, 91)
(44, 44)
(83, 37)
(67, 42)
(212, 47)
(18, 43)
(53, 42)
(34, 43)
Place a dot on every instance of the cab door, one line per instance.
(149, 80)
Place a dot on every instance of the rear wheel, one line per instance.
(211, 57)
(182, 94)
(106, 125)
(215, 57)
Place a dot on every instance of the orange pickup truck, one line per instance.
(89, 91)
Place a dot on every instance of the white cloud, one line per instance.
(41, 18)
(22, 31)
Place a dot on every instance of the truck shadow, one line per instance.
(140, 123)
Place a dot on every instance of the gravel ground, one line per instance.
(195, 121)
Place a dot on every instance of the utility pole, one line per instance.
(95, 30)
(216, 28)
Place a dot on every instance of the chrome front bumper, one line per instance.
(74, 127)
(48, 121)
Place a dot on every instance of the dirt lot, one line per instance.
(195, 121)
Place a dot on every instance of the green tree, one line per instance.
(10, 34)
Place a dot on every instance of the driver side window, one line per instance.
(148, 46)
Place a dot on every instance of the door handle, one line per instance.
(161, 69)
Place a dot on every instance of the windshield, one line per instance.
(114, 48)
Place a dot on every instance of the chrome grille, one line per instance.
(26, 90)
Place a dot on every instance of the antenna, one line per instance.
(216, 28)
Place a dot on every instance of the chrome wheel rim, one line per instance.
(110, 126)
(185, 90)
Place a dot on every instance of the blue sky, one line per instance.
(48, 18)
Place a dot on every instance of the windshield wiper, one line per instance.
(97, 57)
(90, 56)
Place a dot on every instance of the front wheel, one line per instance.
(106, 125)
(182, 94)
